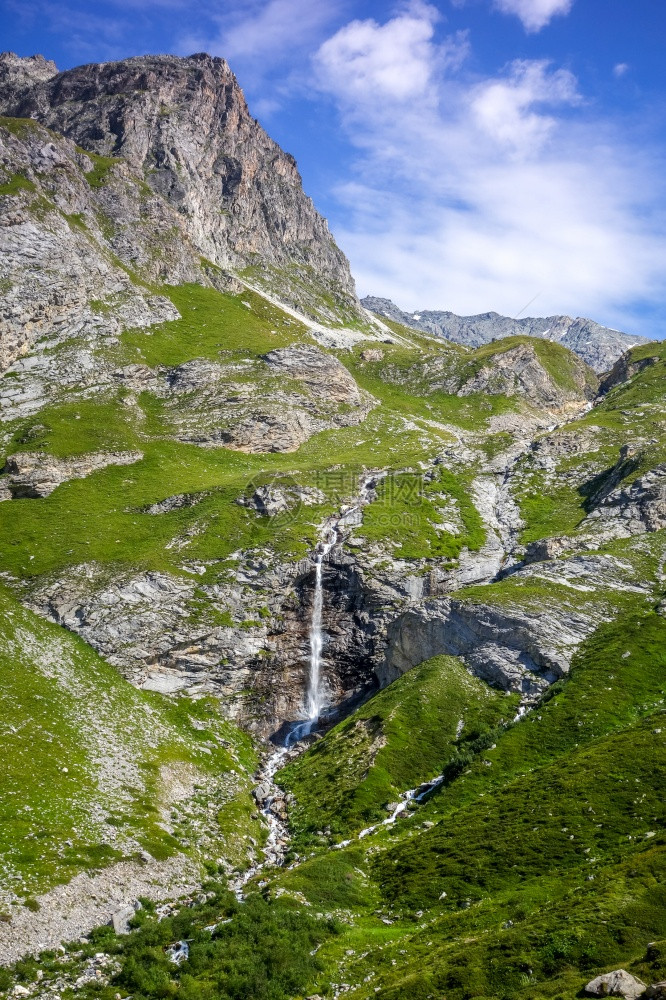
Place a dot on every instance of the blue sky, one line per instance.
(469, 154)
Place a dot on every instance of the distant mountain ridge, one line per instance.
(599, 346)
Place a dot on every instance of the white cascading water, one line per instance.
(315, 698)
(315, 695)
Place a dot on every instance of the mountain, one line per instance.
(332, 652)
(183, 130)
(599, 346)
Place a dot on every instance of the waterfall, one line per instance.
(315, 696)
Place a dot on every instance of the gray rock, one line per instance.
(624, 369)
(321, 372)
(120, 919)
(183, 124)
(597, 345)
(519, 371)
(634, 510)
(512, 648)
(372, 354)
(34, 474)
(616, 984)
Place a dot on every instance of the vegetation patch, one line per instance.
(15, 184)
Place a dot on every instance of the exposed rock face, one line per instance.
(597, 345)
(298, 391)
(142, 625)
(510, 648)
(37, 475)
(616, 984)
(519, 371)
(19, 74)
(63, 245)
(183, 124)
(318, 371)
(635, 509)
(266, 432)
(624, 369)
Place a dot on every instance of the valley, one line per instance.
(333, 651)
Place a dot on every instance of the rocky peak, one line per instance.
(599, 346)
(18, 75)
(184, 125)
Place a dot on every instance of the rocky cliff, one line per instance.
(182, 127)
(599, 346)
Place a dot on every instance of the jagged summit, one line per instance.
(184, 126)
(599, 346)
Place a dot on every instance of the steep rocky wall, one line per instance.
(65, 245)
(511, 648)
(183, 125)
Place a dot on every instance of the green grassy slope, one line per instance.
(397, 740)
(88, 760)
(632, 413)
(538, 864)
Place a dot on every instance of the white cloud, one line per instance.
(620, 69)
(535, 14)
(474, 195)
(395, 60)
(510, 109)
(258, 34)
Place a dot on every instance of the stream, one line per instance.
(269, 797)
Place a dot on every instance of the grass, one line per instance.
(100, 518)
(80, 744)
(541, 864)
(262, 949)
(16, 184)
(398, 739)
(404, 382)
(557, 503)
(561, 364)
(408, 512)
(102, 167)
(23, 128)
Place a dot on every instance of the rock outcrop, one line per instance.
(511, 648)
(616, 984)
(599, 346)
(634, 509)
(519, 371)
(624, 368)
(65, 246)
(182, 126)
(36, 475)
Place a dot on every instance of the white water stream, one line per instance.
(278, 834)
(315, 698)
(316, 694)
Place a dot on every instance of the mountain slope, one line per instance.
(102, 779)
(214, 507)
(597, 345)
(182, 126)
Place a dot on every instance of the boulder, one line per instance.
(36, 474)
(616, 984)
(320, 372)
(121, 918)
